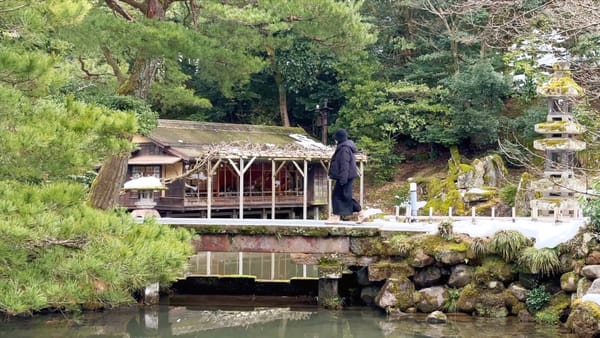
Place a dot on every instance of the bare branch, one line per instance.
(114, 65)
(88, 74)
(75, 243)
(11, 9)
(115, 6)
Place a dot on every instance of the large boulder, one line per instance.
(593, 258)
(429, 276)
(460, 276)
(584, 319)
(419, 259)
(450, 257)
(518, 291)
(383, 270)
(568, 282)
(368, 294)
(397, 293)
(591, 271)
(486, 172)
(432, 299)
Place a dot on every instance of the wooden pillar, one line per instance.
(241, 188)
(209, 189)
(305, 191)
(273, 177)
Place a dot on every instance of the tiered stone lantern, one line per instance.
(556, 192)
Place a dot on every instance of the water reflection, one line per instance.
(264, 266)
(240, 321)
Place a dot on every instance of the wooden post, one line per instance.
(241, 188)
(534, 213)
(473, 214)
(430, 215)
(493, 212)
(305, 191)
(450, 212)
(209, 189)
(273, 178)
(514, 213)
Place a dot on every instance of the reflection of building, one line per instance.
(233, 170)
(556, 192)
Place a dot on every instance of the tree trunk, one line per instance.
(104, 193)
(141, 78)
(285, 119)
(107, 185)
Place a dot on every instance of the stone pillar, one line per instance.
(329, 275)
(328, 293)
(151, 295)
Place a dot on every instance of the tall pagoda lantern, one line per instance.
(556, 192)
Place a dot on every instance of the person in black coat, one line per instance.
(343, 170)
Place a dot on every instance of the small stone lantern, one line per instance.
(145, 186)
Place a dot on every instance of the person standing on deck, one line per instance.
(343, 170)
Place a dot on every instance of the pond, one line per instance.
(238, 317)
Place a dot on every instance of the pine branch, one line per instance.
(75, 243)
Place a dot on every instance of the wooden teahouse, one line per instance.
(234, 170)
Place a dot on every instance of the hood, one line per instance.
(350, 144)
(340, 135)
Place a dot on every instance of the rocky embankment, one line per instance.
(498, 276)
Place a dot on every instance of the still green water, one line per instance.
(245, 317)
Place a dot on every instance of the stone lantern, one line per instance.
(556, 191)
(145, 186)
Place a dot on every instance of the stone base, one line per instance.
(144, 213)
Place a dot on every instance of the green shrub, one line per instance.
(508, 193)
(451, 303)
(544, 261)
(480, 247)
(536, 299)
(508, 244)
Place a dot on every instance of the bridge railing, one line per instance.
(556, 216)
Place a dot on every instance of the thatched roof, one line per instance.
(191, 140)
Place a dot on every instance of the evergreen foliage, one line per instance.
(60, 254)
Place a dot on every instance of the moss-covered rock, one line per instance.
(386, 269)
(404, 292)
(524, 195)
(493, 268)
(491, 305)
(467, 299)
(568, 281)
(550, 313)
(584, 319)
